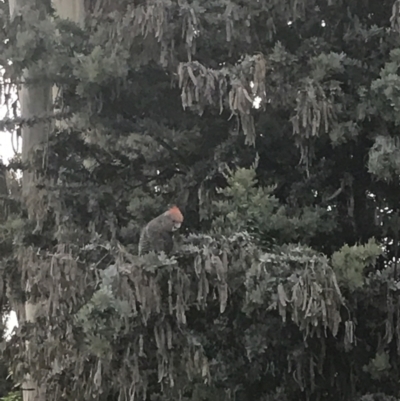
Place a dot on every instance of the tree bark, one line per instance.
(71, 9)
(34, 100)
(37, 100)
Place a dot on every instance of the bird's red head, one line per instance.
(175, 214)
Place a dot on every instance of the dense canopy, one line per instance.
(273, 125)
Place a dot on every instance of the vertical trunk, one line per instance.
(34, 100)
(71, 9)
(37, 100)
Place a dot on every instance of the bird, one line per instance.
(157, 235)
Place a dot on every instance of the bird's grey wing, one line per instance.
(153, 240)
(168, 242)
(144, 242)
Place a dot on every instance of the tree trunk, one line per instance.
(36, 101)
(71, 9)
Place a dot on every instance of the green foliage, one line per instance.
(298, 281)
(378, 366)
(384, 158)
(5, 381)
(245, 206)
(377, 397)
(349, 263)
(14, 396)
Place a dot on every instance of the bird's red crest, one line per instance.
(176, 214)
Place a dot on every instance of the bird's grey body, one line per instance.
(157, 235)
(153, 240)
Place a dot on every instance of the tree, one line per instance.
(285, 282)
(5, 382)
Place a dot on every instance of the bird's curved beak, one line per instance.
(176, 226)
